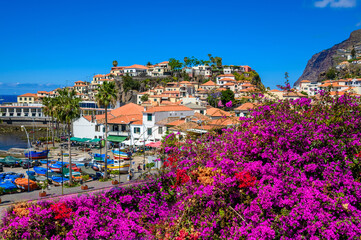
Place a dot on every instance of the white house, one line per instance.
(151, 116)
(87, 127)
(135, 70)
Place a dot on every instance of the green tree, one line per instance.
(331, 74)
(144, 98)
(218, 61)
(186, 62)
(174, 64)
(149, 64)
(353, 53)
(115, 63)
(107, 94)
(226, 96)
(67, 109)
(129, 83)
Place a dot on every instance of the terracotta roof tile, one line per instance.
(209, 83)
(246, 106)
(168, 108)
(29, 95)
(136, 66)
(216, 112)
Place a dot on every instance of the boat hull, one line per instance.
(121, 157)
(121, 168)
(37, 155)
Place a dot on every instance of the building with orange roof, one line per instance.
(153, 115)
(228, 77)
(136, 70)
(244, 109)
(160, 69)
(119, 123)
(208, 85)
(27, 98)
(215, 113)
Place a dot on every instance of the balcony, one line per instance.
(119, 133)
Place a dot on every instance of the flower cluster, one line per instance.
(61, 211)
(246, 179)
(296, 162)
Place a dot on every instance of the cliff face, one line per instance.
(322, 61)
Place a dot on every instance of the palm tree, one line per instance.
(107, 94)
(48, 109)
(67, 109)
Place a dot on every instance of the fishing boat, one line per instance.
(24, 184)
(81, 160)
(58, 180)
(10, 161)
(8, 187)
(119, 165)
(40, 171)
(56, 167)
(37, 155)
(99, 157)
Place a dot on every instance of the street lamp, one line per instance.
(29, 152)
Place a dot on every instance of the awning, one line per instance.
(118, 139)
(74, 139)
(84, 139)
(95, 140)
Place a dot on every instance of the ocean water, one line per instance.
(8, 98)
(13, 140)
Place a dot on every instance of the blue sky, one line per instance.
(46, 44)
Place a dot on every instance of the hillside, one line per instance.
(323, 61)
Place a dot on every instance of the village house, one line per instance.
(27, 98)
(153, 115)
(136, 70)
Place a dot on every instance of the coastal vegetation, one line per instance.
(291, 170)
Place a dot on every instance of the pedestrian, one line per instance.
(139, 168)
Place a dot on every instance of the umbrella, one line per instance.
(157, 144)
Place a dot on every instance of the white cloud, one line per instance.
(335, 3)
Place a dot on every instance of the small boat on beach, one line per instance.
(119, 165)
(99, 157)
(81, 160)
(24, 184)
(36, 154)
(58, 180)
(40, 171)
(56, 167)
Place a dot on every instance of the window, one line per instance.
(149, 116)
(115, 128)
(149, 131)
(123, 128)
(20, 99)
(97, 128)
(137, 130)
(160, 130)
(25, 99)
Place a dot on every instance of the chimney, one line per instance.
(145, 108)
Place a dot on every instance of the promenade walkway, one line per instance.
(56, 191)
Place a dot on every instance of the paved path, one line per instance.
(56, 191)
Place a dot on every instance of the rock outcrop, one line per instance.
(323, 61)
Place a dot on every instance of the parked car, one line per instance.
(25, 164)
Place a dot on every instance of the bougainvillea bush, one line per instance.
(290, 171)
